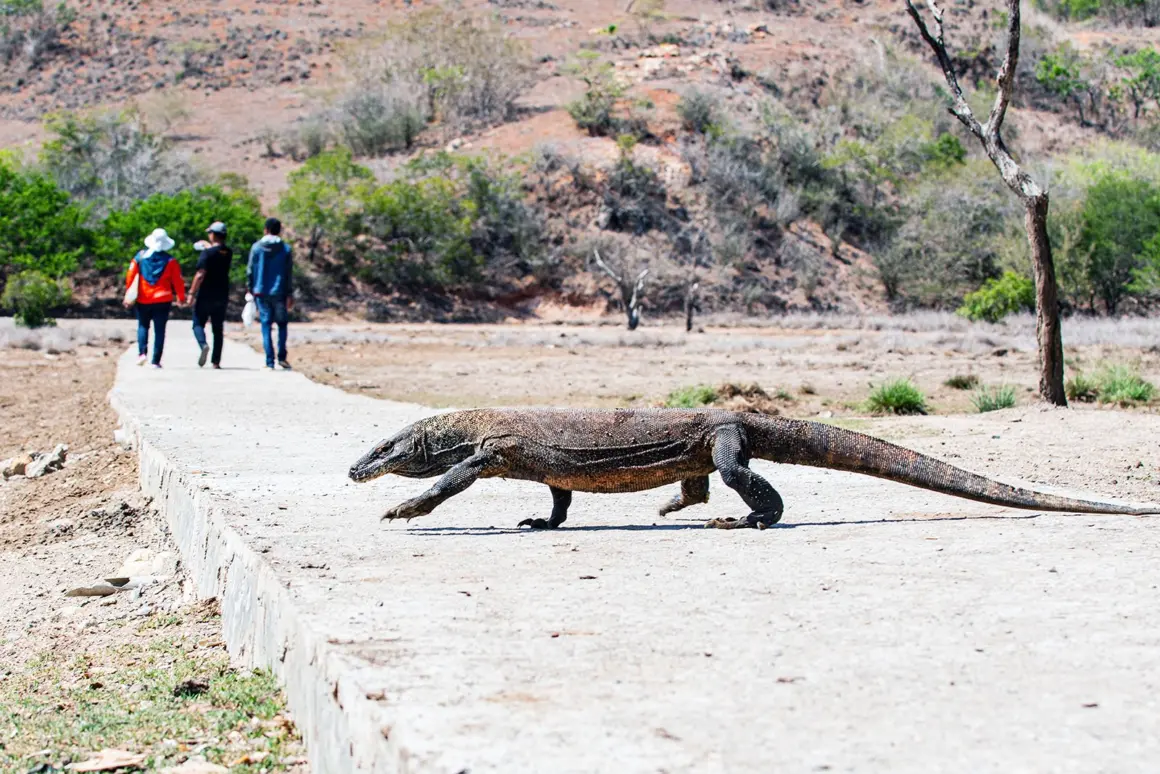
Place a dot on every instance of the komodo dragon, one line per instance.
(630, 450)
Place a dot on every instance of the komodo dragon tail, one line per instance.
(824, 446)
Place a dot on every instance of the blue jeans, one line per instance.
(271, 310)
(215, 315)
(158, 314)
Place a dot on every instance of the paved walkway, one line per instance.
(882, 629)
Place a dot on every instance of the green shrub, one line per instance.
(699, 112)
(31, 296)
(899, 396)
(377, 122)
(184, 216)
(691, 397)
(1081, 388)
(40, 228)
(962, 382)
(945, 152)
(595, 111)
(993, 399)
(1123, 385)
(321, 193)
(998, 298)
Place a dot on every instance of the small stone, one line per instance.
(15, 466)
(44, 464)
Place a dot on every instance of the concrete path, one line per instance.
(881, 628)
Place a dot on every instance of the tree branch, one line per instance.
(605, 268)
(1006, 72)
(959, 107)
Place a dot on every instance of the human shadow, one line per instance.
(686, 524)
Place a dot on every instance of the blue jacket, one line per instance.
(269, 271)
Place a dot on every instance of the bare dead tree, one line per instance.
(1034, 198)
(691, 303)
(631, 291)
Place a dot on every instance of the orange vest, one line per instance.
(168, 284)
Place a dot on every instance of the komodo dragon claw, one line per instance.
(536, 524)
(752, 521)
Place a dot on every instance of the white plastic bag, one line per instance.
(249, 311)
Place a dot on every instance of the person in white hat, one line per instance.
(156, 277)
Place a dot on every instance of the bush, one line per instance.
(691, 397)
(40, 228)
(377, 121)
(320, 194)
(999, 297)
(466, 72)
(596, 111)
(31, 296)
(1081, 388)
(184, 216)
(899, 396)
(634, 199)
(1139, 12)
(700, 112)
(1120, 215)
(443, 222)
(993, 399)
(962, 382)
(111, 160)
(30, 32)
(1123, 385)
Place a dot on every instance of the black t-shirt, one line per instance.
(215, 288)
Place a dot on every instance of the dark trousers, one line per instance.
(158, 315)
(215, 315)
(272, 310)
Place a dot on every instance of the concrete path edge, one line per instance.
(342, 728)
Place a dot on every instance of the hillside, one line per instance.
(236, 86)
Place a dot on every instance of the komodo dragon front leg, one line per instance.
(482, 464)
(732, 461)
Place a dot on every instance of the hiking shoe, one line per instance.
(141, 359)
(217, 366)
(156, 365)
(284, 365)
(203, 356)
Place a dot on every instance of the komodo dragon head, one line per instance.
(430, 447)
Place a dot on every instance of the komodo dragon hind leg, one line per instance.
(732, 461)
(561, 499)
(694, 491)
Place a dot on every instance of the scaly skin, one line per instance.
(627, 450)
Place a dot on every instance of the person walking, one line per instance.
(210, 291)
(269, 277)
(158, 278)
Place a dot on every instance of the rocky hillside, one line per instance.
(233, 83)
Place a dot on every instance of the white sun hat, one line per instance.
(159, 241)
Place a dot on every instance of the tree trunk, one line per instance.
(690, 306)
(1047, 326)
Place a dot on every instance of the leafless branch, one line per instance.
(1006, 72)
(959, 107)
(606, 268)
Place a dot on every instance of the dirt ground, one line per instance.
(80, 674)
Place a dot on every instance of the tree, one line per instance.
(631, 290)
(40, 228)
(185, 216)
(320, 193)
(1033, 197)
